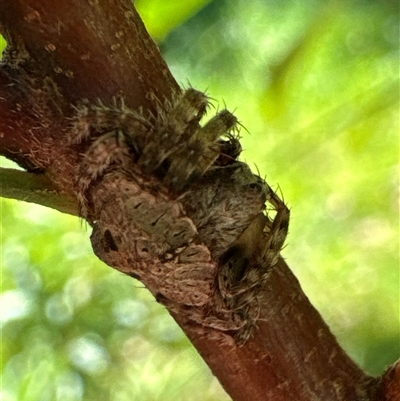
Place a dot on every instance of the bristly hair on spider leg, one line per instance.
(200, 151)
(220, 125)
(278, 229)
(189, 108)
(93, 120)
(176, 121)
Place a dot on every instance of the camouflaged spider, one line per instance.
(172, 145)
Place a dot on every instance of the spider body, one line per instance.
(171, 144)
(226, 207)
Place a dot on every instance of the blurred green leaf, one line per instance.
(162, 16)
(3, 45)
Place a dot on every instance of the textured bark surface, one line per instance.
(63, 52)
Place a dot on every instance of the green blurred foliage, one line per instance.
(316, 84)
(2, 45)
(162, 16)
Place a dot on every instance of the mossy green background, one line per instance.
(316, 85)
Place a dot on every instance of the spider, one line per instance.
(171, 145)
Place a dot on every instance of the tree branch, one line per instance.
(35, 188)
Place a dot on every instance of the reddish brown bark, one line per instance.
(61, 52)
(87, 50)
(293, 355)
